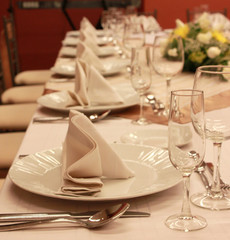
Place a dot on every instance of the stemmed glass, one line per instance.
(141, 78)
(217, 130)
(168, 60)
(185, 106)
(134, 35)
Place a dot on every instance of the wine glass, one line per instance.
(217, 130)
(168, 60)
(134, 35)
(141, 78)
(185, 106)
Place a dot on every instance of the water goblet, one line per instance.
(185, 106)
(217, 130)
(141, 78)
(167, 60)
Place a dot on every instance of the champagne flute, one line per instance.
(168, 60)
(141, 78)
(185, 106)
(217, 130)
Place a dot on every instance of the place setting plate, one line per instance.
(57, 101)
(156, 137)
(40, 173)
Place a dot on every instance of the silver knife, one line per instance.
(23, 217)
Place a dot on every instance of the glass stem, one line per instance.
(186, 211)
(168, 91)
(215, 189)
(141, 107)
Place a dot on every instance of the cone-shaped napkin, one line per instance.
(87, 158)
(90, 41)
(86, 24)
(86, 54)
(91, 88)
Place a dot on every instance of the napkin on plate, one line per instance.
(89, 40)
(86, 54)
(149, 23)
(87, 158)
(91, 88)
(86, 24)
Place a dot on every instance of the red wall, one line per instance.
(39, 32)
(170, 10)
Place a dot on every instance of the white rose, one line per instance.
(204, 37)
(213, 52)
(204, 20)
(179, 23)
(173, 52)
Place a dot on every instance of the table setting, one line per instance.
(100, 160)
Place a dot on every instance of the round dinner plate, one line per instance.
(57, 101)
(40, 173)
(157, 137)
(111, 67)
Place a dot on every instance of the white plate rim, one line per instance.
(14, 168)
(156, 134)
(128, 102)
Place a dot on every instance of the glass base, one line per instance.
(141, 121)
(186, 224)
(208, 201)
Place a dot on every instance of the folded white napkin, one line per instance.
(86, 54)
(91, 41)
(104, 67)
(86, 24)
(149, 23)
(87, 158)
(91, 88)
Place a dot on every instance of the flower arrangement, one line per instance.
(203, 45)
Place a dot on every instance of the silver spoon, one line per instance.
(93, 117)
(97, 220)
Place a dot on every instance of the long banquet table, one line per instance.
(40, 137)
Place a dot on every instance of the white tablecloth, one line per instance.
(41, 137)
(45, 136)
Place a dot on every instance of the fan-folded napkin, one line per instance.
(91, 88)
(87, 158)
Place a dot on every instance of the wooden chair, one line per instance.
(14, 117)
(10, 143)
(25, 77)
(15, 94)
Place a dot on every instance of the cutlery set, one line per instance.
(93, 117)
(205, 171)
(91, 219)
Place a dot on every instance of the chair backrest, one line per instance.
(5, 63)
(11, 43)
(190, 14)
(1, 76)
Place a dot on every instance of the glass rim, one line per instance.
(187, 92)
(202, 69)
